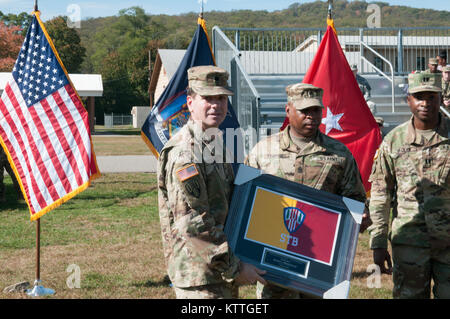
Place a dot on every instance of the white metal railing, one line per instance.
(246, 99)
(443, 110)
(408, 49)
(391, 78)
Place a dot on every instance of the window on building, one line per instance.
(379, 63)
(420, 64)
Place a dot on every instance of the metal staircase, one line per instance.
(271, 89)
(260, 99)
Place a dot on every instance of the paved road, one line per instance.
(127, 164)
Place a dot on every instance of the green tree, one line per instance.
(22, 20)
(122, 57)
(67, 42)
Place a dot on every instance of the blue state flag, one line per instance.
(170, 112)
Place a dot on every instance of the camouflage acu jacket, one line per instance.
(324, 163)
(418, 174)
(364, 86)
(193, 204)
(445, 90)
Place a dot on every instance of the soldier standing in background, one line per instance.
(446, 87)
(363, 84)
(194, 197)
(432, 66)
(442, 60)
(4, 165)
(413, 164)
(301, 153)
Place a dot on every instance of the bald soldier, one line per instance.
(194, 194)
(301, 153)
(413, 164)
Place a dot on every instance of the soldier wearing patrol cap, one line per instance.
(363, 84)
(446, 87)
(412, 164)
(432, 66)
(194, 197)
(303, 154)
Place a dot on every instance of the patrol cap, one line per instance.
(421, 82)
(208, 80)
(433, 61)
(303, 95)
(379, 120)
(446, 68)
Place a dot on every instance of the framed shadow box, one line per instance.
(303, 237)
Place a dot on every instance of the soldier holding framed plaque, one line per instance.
(301, 153)
(194, 195)
(303, 237)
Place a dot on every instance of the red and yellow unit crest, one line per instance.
(293, 225)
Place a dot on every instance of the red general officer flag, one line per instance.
(44, 127)
(346, 116)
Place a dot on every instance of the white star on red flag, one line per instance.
(331, 121)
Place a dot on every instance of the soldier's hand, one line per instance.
(366, 221)
(380, 257)
(249, 274)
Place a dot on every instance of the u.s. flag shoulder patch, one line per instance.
(187, 172)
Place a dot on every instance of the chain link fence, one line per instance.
(112, 120)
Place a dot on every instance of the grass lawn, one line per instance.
(106, 145)
(111, 232)
(119, 140)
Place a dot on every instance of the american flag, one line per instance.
(44, 127)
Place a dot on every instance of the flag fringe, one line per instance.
(150, 145)
(330, 22)
(11, 163)
(60, 201)
(202, 22)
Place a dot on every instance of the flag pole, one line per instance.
(330, 9)
(38, 290)
(38, 250)
(330, 20)
(201, 12)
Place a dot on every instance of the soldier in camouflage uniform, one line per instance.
(432, 66)
(446, 87)
(301, 153)
(4, 165)
(363, 84)
(413, 164)
(194, 192)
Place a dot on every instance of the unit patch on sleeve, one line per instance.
(189, 179)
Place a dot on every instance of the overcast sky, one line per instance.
(52, 8)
